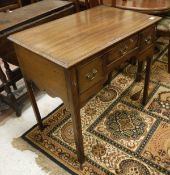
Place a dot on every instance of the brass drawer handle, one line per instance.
(148, 40)
(91, 75)
(131, 40)
(124, 50)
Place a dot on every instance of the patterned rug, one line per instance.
(121, 137)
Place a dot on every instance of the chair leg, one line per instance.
(10, 98)
(9, 74)
(169, 57)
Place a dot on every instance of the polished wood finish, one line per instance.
(124, 47)
(74, 104)
(73, 46)
(23, 18)
(27, 17)
(89, 74)
(30, 13)
(75, 63)
(158, 7)
(145, 6)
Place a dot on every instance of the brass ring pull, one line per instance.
(131, 40)
(91, 75)
(126, 48)
(148, 40)
(124, 51)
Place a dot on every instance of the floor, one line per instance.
(13, 161)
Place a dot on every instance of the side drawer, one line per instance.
(89, 74)
(147, 37)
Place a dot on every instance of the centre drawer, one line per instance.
(89, 74)
(121, 49)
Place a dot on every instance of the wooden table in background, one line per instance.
(15, 21)
(74, 58)
(151, 7)
(26, 17)
(145, 6)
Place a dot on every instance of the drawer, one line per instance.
(121, 49)
(147, 37)
(89, 74)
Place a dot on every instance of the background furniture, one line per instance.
(9, 98)
(6, 5)
(163, 28)
(75, 64)
(94, 3)
(32, 1)
(145, 6)
(25, 2)
(157, 7)
(21, 19)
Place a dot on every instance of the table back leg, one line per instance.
(139, 71)
(147, 79)
(34, 104)
(169, 57)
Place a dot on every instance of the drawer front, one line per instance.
(147, 37)
(89, 74)
(122, 49)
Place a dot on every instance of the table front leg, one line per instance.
(147, 79)
(75, 114)
(9, 74)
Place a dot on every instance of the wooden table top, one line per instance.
(71, 39)
(147, 6)
(26, 13)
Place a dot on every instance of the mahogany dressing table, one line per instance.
(74, 64)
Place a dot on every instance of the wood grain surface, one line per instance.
(18, 16)
(78, 41)
(147, 6)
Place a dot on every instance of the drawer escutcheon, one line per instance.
(91, 75)
(148, 40)
(124, 50)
